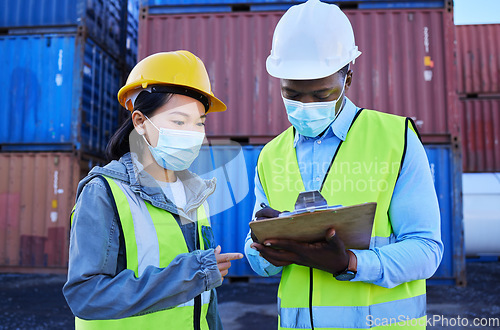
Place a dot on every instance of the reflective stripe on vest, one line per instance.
(357, 318)
(365, 168)
(152, 236)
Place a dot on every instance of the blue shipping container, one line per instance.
(132, 34)
(101, 19)
(232, 204)
(58, 93)
(207, 6)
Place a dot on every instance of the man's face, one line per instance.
(316, 90)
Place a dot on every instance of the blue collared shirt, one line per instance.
(414, 210)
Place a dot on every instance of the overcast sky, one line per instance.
(477, 11)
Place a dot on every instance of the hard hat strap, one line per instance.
(171, 89)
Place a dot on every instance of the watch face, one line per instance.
(347, 276)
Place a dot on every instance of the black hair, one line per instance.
(344, 70)
(147, 103)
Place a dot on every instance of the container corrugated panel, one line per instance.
(445, 166)
(132, 33)
(481, 134)
(37, 193)
(100, 18)
(404, 68)
(205, 6)
(62, 99)
(478, 55)
(232, 205)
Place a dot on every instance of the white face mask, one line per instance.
(310, 119)
(176, 149)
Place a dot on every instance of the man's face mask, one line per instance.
(310, 119)
(176, 149)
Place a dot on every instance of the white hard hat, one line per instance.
(312, 40)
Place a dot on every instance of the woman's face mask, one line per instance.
(176, 149)
(310, 119)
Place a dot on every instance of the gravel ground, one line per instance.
(36, 302)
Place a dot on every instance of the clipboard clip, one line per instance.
(309, 201)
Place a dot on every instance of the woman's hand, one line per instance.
(224, 260)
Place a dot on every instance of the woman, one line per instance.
(142, 253)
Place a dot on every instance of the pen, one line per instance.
(262, 205)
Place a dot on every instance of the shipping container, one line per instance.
(480, 134)
(37, 193)
(132, 33)
(205, 6)
(405, 67)
(101, 19)
(478, 55)
(231, 206)
(64, 98)
(446, 169)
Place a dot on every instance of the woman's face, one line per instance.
(180, 113)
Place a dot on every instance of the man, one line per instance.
(351, 156)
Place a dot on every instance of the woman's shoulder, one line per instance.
(116, 170)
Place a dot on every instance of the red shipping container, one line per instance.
(406, 68)
(37, 194)
(481, 135)
(478, 53)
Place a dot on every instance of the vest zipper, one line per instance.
(197, 299)
(197, 313)
(337, 151)
(311, 297)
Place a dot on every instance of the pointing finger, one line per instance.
(229, 256)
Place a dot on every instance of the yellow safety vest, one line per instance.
(137, 217)
(364, 169)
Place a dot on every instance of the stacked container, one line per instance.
(479, 91)
(62, 65)
(405, 69)
(479, 105)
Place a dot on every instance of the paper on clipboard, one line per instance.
(353, 225)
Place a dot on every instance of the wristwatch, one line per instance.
(350, 271)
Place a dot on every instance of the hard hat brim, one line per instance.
(216, 105)
(301, 70)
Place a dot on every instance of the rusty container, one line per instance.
(478, 56)
(37, 193)
(480, 134)
(406, 68)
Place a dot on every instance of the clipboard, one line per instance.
(353, 225)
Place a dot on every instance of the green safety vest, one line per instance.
(364, 169)
(139, 218)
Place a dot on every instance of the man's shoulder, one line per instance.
(284, 137)
(381, 114)
(374, 120)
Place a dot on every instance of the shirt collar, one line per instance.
(339, 127)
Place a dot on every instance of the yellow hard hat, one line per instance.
(176, 69)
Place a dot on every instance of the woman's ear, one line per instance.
(138, 120)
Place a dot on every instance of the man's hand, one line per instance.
(265, 213)
(224, 260)
(328, 255)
